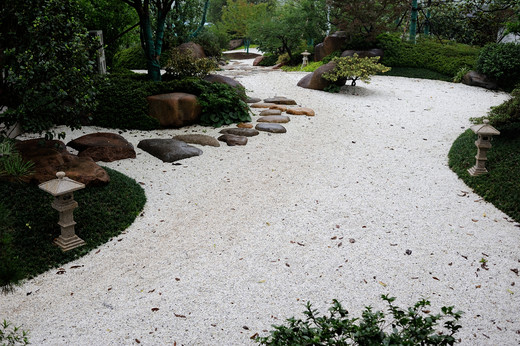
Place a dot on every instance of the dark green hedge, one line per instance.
(123, 104)
(502, 62)
(446, 58)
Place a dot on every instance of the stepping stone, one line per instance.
(253, 100)
(103, 146)
(245, 132)
(270, 112)
(274, 119)
(198, 139)
(262, 105)
(301, 111)
(245, 125)
(281, 108)
(280, 100)
(168, 150)
(233, 140)
(273, 128)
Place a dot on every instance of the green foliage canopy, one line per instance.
(354, 68)
(47, 63)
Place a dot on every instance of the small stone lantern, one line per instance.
(485, 132)
(62, 189)
(305, 58)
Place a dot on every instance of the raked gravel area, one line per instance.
(240, 238)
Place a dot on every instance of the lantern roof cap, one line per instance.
(61, 186)
(306, 53)
(485, 129)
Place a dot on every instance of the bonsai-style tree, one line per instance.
(354, 68)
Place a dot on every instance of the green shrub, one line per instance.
(460, 74)
(413, 326)
(213, 41)
(502, 62)
(10, 272)
(132, 58)
(446, 58)
(182, 64)
(311, 67)
(328, 58)
(505, 114)
(12, 336)
(269, 60)
(123, 104)
(354, 68)
(11, 163)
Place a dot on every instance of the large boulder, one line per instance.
(174, 109)
(234, 44)
(194, 49)
(329, 45)
(50, 157)
(215, 78)
(315, 80)
(474, 78)
(103, 146)
(364, 53)
(258, 60)
(168, 150)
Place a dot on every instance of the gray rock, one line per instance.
(273, 128)
(274, 119)
(198, 139)
(253, 100)
(270, 112)
(474, 78)
(280, 100)
(168, 150)
(240, 131)
(233, 140)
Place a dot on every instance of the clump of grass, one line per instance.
(501, 185)
(103, 212)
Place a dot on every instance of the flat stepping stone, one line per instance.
(103, 146)
(198, 139)
(262, 105)
(233, 140)
(281, 108)
(269, 127)
(280, 100)
(274, 119)
(301, 111)
(245, 132)
(168, 150)
(245, 125)
(253, 100)
(270, 112)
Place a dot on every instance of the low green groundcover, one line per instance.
(103, 212)
(501, 185)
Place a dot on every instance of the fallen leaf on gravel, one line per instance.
(510, 291)
(301, 244)
(408, 252)
(337, 226)
(352, 240)
(261, 281)
(287, 264)
(515, 271)
(180, 316)
(478, 286)
(334, 238)
(474, 220)
(340, 243)
(155, 309)
(61, 271)
(245, 327)
(393, 244)
(382, 284)
(254, 336)
(137, 341)
(436, 278)
(151, 291)
(426, 311)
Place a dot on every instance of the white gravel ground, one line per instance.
(240, 238)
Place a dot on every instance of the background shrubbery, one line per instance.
(502, 62)
(123, 104)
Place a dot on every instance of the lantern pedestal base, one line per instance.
(69, 243)
(475, 170)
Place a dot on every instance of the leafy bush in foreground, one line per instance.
(505, 114)
(12, 336)
(182, 64)
(414, 326)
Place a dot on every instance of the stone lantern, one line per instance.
(485, 132)
(305, 58)
(62, 189)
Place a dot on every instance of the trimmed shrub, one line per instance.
(213, 41)
(447, 58)
(502, 62)
(354, 68)
(182, 64)
(123, 104)
(505, 114)
(269, 60)
(132, 58)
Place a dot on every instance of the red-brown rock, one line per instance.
(301, 111)
(329, 45)
(315, 80)
(193, 48)
(50, 157)
(103, 146)
(258, 60)
(174, 109)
